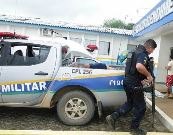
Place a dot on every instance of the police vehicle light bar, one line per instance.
(9, 35)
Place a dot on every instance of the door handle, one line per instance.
(41, 73)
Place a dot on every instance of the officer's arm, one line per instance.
(79, 65)
(141, 69)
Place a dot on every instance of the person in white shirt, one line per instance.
(169, 78)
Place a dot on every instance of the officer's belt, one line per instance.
(145, 89)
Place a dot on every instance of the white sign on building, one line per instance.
(155, 15)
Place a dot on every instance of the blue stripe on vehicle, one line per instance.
(101, 84)
(95, 84)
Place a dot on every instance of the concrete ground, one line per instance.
(163, 104)
(47, 132)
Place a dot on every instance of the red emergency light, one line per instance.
(91, 47)
(9, 35)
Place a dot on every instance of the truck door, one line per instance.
(28, 73)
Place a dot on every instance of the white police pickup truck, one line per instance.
(32, 75)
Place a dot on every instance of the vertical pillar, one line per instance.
(68, 35)
(83, 40)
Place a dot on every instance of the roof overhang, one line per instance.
(62, 25)
(161, 31)
(159, 19)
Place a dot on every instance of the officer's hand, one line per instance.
(150, 79)
(145, 82)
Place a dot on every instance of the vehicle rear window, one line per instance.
(21, 54)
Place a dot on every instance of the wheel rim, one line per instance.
(75, 108)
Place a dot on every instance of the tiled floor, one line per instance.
(165, 104)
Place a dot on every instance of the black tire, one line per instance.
(75, 108)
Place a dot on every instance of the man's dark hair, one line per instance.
(150, 43)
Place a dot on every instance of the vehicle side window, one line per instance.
(66, 62)
(4, 51)
(16, 58)
(44, 51)
(1, 54)
(37, 55)
(27, 54)
(1, 46)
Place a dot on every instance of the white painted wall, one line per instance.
(118, 43)
(156, 52)
(166, 42)
(4, 28)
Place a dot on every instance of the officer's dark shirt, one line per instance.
(143, 58)
(98, 66)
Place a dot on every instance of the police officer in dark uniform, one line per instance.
(136, 73)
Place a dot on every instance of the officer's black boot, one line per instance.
(110, 119)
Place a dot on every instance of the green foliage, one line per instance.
(129, 26)
(114, 23)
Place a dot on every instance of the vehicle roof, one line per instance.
(41, 41)
(73, 47)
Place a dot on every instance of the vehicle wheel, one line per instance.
(75, 108)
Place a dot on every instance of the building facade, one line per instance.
(110, 42)
(158, 24)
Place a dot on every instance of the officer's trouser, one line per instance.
(135, 100)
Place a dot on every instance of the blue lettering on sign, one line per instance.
(24, 87)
